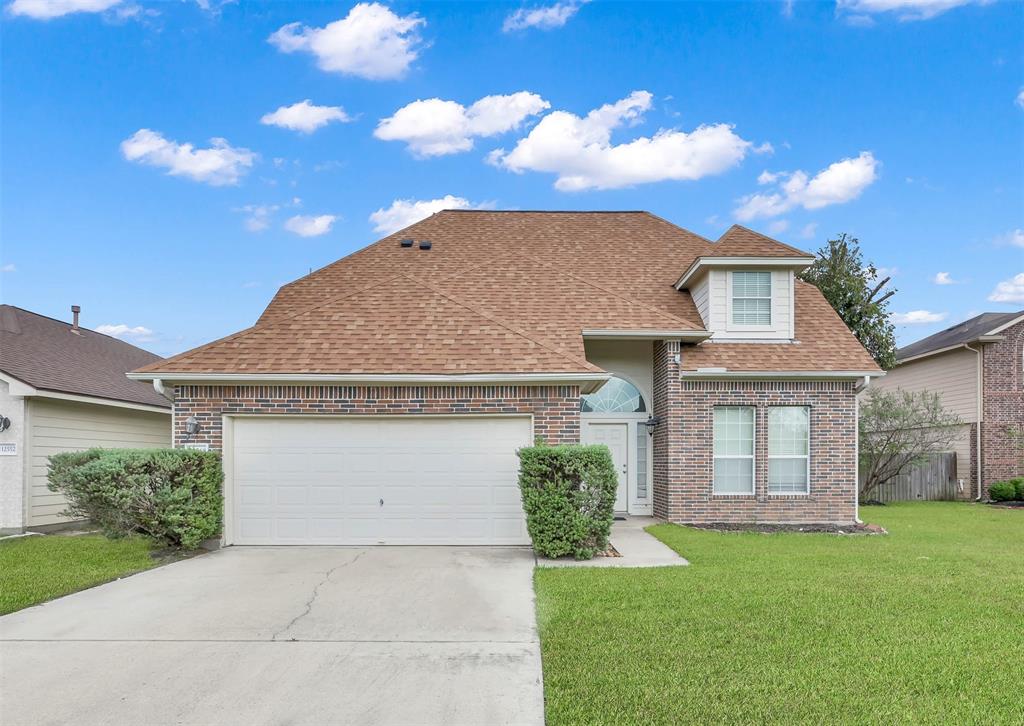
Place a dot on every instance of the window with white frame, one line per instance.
(789, 444)
(734, 450)
(751, 298)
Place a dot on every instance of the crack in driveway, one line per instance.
(314, 595)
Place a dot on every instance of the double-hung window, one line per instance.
(734, 450)
(751, 298)
(789, 443)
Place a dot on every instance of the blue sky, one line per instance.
(898, 121)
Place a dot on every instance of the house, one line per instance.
(63, 388)
(978, 368)
(381, 399)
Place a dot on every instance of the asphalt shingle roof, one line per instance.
(508, 292)
(47, 355)
(965, 332)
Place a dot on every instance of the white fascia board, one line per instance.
(588, 381)
(788, 375)
(17, 387)
(102, 401)
(646, 334)
(799, 263)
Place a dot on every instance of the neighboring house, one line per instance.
(63, 388)
(978, 368)
(382, 398)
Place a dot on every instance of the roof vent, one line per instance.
(75, 310)
(406, 243)
(425, 244)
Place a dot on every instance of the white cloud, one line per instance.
(778, 226)
(370, 42)
(310, 226)
(435, 127)
(257, 215)
(841, 182)
(944, 278)
(305, 117)
(809, 230)
(918, 317)
(138, 334)
(545, 17)
(905, 9)
(1009, 291)
(9, 267)
(883, 272)
(1020, 98)
(219, 165)
(404, 212)
(580, 151)
(49, 9)
(787, 8)
(250, 285)
(1013, 238)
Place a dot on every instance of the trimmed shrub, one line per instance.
(1018, 484)
(1003, 491)
(568, 495)
(171, 495)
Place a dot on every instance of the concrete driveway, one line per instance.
(288, 635)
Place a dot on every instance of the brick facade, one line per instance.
(1002, 445)
(684, 446)
(555, 409)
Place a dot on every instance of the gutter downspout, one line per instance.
(979, 411)
(862, 386)
(158, 386)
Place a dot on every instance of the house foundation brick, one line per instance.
(555, 409)
(1002, 429)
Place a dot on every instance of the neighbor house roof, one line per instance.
(49, 355)
(969, 331)
(500, 292)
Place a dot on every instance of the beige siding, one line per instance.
(954, 375)
(66, 426)
(700, 294)
(632, 360)
(719, 303)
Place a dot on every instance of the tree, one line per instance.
(898, 430)
(856, 293)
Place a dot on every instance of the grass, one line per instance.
(37, 569)
(924, 625)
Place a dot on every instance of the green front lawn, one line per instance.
(37, 569)
(924, 625)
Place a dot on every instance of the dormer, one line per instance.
(744, 289)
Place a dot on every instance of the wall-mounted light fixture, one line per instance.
(191, 427)
(651, 422)
(5, 423)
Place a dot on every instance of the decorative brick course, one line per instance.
(684, 449)
(1003, 409)
(555, 409)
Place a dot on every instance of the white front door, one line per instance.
(616, 437)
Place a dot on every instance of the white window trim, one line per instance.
(752, 456)
(730, 296)
(807, 490)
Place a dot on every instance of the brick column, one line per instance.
(668, 435)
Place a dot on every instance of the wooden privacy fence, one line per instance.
(934, 478)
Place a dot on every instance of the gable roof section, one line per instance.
(824, 344)
(501, 292)
(968, 331)
(399, 326)
(47, 355)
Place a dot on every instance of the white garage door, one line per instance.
(382, 480)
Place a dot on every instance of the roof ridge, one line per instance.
(799, 251)
(69, 326)
(673, 224)
(506, 325)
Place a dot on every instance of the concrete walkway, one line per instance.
(638, 549)
(286, 635)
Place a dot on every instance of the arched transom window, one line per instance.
(615, 396)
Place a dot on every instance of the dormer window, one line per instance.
(751, 298)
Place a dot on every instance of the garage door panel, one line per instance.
(393, 480)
